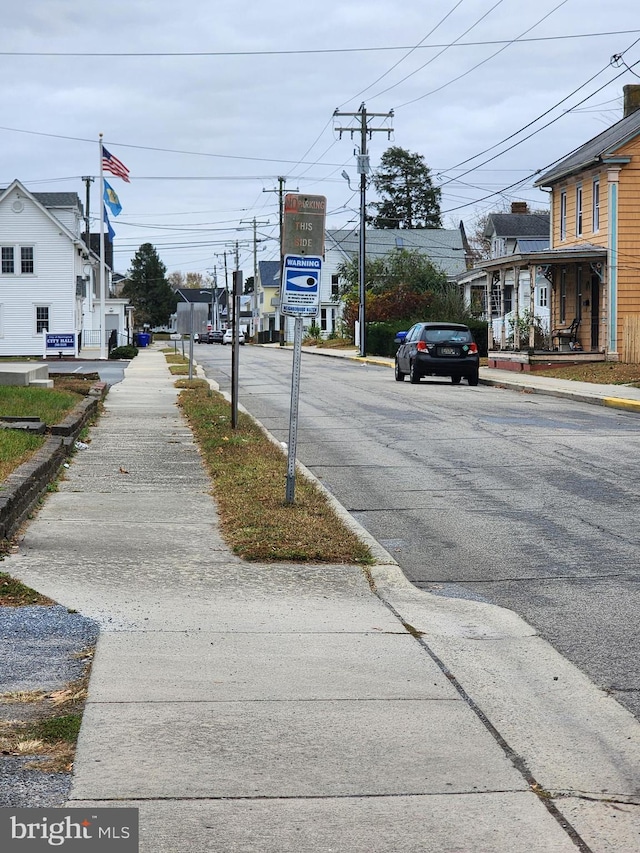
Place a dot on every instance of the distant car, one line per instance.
(215, 336)
(227, 338)
(437, 349)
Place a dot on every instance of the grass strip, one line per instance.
(249, 476)
(16, 447)
(16, 594)
(49, 739)
(49, 405)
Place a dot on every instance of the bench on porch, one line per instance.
(568, 335)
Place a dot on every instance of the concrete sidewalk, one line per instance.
(292, 708)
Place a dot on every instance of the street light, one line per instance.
(214, 294)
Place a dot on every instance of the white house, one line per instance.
(512, 234)
(49, 277)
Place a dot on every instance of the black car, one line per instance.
(437, 349)
(215, 336)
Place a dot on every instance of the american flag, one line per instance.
(113, 165)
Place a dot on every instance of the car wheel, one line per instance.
(455, 380)
(398, 373)
(473, 379)
(414, 376)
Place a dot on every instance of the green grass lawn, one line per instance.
(48, 404)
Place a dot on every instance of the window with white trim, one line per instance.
(543, 296)
(596, 205)
(335, 285)
(8, 260)
(26, 260)
(42, 319)
(579, 210)
(563, 215)
(8, 266)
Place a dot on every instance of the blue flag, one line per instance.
(110, 230)
(111, 199)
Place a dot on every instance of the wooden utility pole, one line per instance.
(366, 132)
(254, 300)
(280, 190)
(87, 227)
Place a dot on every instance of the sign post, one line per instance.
(303, 248)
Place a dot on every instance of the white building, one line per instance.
(49, 278)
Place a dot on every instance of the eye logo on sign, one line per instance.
(302, 283)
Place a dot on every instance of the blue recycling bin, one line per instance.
(144, 339)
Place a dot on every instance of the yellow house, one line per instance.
(596, 200)
(593, 262)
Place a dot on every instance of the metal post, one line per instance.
(362, 260)
(190, 341)
(235, 345)
(293, 417)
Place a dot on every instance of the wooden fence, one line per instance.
(631, 339)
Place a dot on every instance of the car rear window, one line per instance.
(439, 336)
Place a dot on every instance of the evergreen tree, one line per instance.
(409, 198)
(148, 289)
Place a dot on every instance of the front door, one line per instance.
(595, 313)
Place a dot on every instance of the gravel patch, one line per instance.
(38, 645)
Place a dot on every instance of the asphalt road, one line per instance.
(525, 501)
(111, 372)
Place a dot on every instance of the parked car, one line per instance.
(215, 336)
(437, 349)
(227, 338)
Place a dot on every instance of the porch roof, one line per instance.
(552, 257)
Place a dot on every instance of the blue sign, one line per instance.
(301, 285)
(60, 342)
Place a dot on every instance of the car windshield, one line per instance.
(454, 336)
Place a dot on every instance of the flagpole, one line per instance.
(103, 349)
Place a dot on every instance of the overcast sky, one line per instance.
(207, 104)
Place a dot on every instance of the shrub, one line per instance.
(124, 352)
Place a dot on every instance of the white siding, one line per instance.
(57, 262)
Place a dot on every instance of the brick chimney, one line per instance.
(521, 206)
(631, 98)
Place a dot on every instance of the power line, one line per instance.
(444, 49)
(305, 51)
(484, 61)
(538, 130)
(402, 58)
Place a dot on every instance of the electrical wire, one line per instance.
(406, 55)
(484, 61)
(444, 50)
(300, 51)
(538, 130)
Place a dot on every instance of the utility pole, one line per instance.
(88, 181)
(226, 282)
(281, 182)
(254, 300)
(366, 132)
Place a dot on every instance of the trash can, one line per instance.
(143, 339)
